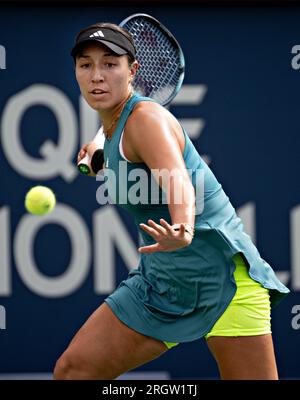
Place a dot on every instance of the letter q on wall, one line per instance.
(57, 159)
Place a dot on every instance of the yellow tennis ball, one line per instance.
(40, 200)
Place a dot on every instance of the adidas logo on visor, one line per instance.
(97, 34)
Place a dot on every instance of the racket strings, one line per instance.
(160, 63)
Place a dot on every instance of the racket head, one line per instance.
(161, 59)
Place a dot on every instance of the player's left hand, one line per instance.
(166, 237)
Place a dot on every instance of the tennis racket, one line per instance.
(161, 71)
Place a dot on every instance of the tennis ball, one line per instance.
(40, 200)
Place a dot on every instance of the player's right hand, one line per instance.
(87, 148)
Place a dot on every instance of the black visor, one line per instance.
(114, 40)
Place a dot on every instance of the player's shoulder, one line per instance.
(144, 109)
(148, 113)
(149, 121)
(144, 119)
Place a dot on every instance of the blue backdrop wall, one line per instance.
(239, 103)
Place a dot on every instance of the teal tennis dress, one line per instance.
(178, 296)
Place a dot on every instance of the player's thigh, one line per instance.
(104, 347)
(244, 357)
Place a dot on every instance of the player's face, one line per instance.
(103, 77)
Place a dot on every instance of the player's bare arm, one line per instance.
(158, 145)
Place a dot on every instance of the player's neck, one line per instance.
(111, 117)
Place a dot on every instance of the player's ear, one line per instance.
(133, 70)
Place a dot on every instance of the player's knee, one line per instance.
(68, 367)
(63, 367)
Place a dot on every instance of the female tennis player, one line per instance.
(199, 274)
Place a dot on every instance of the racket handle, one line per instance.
(84, 165)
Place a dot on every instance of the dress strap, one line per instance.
(136, 98)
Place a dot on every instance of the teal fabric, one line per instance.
(178, 296)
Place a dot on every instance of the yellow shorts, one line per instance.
(249, 312)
